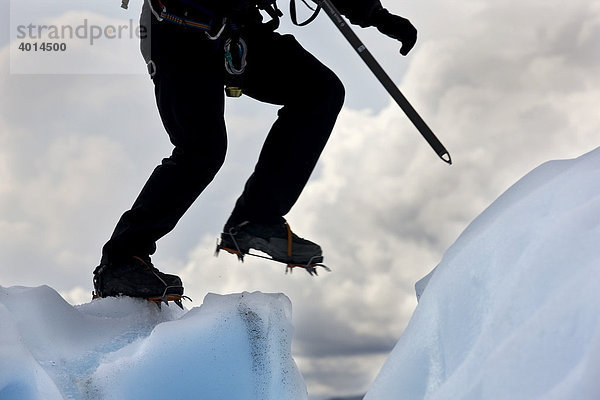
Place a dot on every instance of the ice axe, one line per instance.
(385, 80)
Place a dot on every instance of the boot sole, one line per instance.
(270, 247)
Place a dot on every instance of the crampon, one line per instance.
(159, 300)
(310, 266)
(136, 277)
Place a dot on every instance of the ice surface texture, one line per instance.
(236, 346)
(512, 311)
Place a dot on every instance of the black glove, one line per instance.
(359, 12)
(395, 27)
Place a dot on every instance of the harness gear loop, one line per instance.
(218, 35)
(151, 65)
(294, 16)
(290, 240)
(201, 19)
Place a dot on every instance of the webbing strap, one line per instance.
(184, 21)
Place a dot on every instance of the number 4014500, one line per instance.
(43, 46)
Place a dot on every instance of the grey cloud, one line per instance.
(385, 208)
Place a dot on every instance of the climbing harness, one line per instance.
(235, 47)
(197, 17)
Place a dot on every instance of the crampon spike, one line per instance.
(158, 300)
(311, 269)
(218, 248)
(310, 266)
(177, 299)
(238, 253)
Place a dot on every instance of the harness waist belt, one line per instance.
(175, 19)
(183, 13)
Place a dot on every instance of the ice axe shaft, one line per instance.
(385, 80)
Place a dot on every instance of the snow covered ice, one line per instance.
(232, 347)
(513, 310)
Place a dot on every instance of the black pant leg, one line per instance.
(189, 95)
(281, 72)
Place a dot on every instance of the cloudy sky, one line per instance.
(505, 84)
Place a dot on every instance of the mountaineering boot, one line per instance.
(276, 240)
(136, 277)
